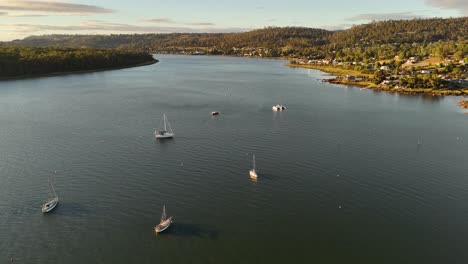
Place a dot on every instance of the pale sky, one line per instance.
(21, 18)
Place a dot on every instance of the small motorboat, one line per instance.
(214, 113)
(278, 108)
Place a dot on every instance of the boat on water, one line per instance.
(52, 202)
(278, 108)
(214, 113)
(253, 171)
(165, 130)
(164, 223)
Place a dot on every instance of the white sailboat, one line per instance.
(166, 131)
(253, 172)
(165, 222)
(51, 202)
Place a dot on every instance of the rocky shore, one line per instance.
(463, 104)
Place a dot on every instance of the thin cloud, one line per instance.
(383, 16)
(103, 26)
(161, 20)
(170, 21)
(270, 20)
(200, 24)
(460, 5)
(52, 7)
(21, 14)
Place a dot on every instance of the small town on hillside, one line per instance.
(412, 72)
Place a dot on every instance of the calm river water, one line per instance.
(345, 175)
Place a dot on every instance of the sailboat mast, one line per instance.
(165, 122)
(53, 189)
(163, 217)
(51, 185)
(254, 162)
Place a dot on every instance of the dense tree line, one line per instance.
(378, 40)
(272, 37)
(402, 31)
(18, 61)
(441, 49)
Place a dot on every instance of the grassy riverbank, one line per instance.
(362, 79)
(332, 69)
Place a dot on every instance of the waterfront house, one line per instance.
(384, 68)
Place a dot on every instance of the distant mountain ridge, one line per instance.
(272, 41)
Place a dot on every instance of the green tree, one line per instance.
(379, 76)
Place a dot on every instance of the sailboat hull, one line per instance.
(50, 205)
(167, 135)
(163, 226)
(253, 174)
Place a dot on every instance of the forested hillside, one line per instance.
(26, 61)
(272, 38)
(403, 38)
(364, 48)
(403, 31)
(383, 39)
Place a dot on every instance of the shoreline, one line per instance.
(463, 104)
(53, 74)
(368, 85)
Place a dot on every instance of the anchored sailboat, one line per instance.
(165, 222)
(166, 131)
(51, 202)
(253, 172)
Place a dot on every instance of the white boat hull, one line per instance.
(278, 108)
(50, 205)
(163, 226)
(253, 174)
(167, 135)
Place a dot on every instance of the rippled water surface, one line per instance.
(342, 178)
